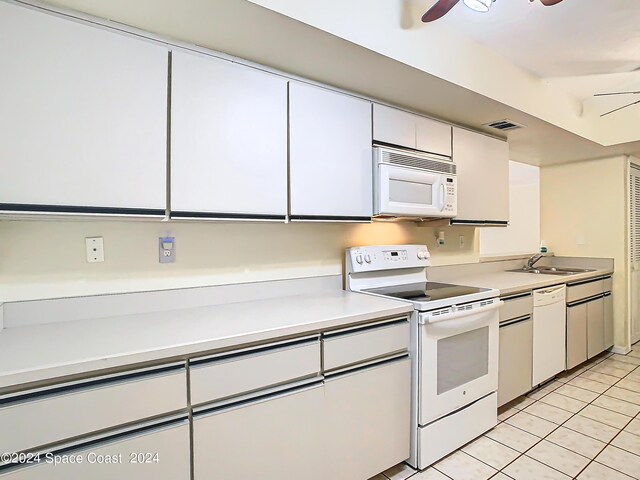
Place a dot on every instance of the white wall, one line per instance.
(523, 233)
(46, 259)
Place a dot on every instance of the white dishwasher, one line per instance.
(549, 332)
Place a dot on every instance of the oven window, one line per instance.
(410, 192)
(462, 358)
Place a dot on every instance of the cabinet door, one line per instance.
(394, 126)
(433, 136)
(483, 174)
(576, 335)
(131, 457)
(367, 420)
(271, 439)
(595, 327)
(330, 148)
(228, 140)
(516, 360)
(608, 321)
(84, 117)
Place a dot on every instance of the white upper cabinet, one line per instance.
(330, 166)
(228, 140)
(404, 129)
(394, 126)
(433, 136)
(483, 178)
(83, 127)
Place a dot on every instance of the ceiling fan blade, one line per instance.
(440, 9)
(615, 93)
(549, 3)
(620, 108)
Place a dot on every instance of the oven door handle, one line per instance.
(458, 316)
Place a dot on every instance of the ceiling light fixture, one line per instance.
(478, 5)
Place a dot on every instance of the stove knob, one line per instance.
(359, 259)
(422, 255)
(367, 258)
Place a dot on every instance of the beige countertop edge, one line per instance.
(49, 370)
(511, 283)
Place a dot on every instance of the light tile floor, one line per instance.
(585, 424)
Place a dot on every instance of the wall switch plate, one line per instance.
(167, 249)
(94, 249)
(461, 241)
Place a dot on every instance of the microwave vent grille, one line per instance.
(420, 163)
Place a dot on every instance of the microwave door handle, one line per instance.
(443, 194)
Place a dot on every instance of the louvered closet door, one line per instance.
(634, 250)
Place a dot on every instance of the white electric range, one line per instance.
(454, 346)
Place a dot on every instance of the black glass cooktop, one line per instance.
(425, 291)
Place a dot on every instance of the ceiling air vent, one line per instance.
(504, 125)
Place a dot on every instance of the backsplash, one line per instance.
(46, 259)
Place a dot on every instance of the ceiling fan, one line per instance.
(618, 93)
(442, 7)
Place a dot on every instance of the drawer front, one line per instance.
(52, 418)
(608, 284)
(440, 438)
(516, 307)
(253, 371)
(584, 290)
(350, 348)
(171, 444)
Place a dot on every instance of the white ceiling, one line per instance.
(575, 37)
(249, 31)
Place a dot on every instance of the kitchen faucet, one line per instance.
(533, 259)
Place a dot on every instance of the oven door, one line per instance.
(458, 360)
(408, 192)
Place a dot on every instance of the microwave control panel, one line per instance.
(450, 206)
(372, 258)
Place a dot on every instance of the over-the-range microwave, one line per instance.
(413, 184)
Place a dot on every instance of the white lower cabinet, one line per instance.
(516, 360)
(273, 438)
(160, 454)
(576, 335)
(608, 321)
(367, 415)
(595, 327)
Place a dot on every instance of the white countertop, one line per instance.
(42, 352)
(514, 282)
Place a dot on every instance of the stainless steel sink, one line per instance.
(552, 270)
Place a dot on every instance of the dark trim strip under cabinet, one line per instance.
(79, 210)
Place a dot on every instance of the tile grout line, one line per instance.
(562, 425)
(605, 447)
(564, 381)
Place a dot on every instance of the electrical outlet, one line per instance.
(94, 249)
(167, 249)
(461, 241)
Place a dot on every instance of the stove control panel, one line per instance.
(386, 257)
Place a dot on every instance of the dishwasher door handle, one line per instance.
(548, 291)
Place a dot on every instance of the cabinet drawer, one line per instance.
(584, 290)
(274, 438)
(607, 284)
(347, 348)
(162, 454)
(51, 416)
(231, 375)
(515, 307)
